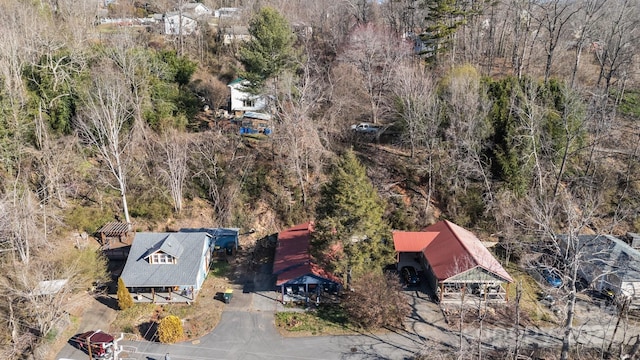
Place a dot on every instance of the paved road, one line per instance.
(246, 331)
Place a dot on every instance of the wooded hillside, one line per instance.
(517, 119)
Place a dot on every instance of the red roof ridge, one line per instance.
(457, 237)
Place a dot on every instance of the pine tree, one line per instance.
(350, 215)
(125, 300)
(270, 50)
(444, 19)
(170, 330)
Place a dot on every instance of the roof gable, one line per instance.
(168, 245)
(455, 250)
(477, 273)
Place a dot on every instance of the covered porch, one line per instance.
(473, 285)
(472, 293)
(163, 295)
(309, 288)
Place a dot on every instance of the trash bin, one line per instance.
(228, 294)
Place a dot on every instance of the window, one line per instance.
(162, 258)
(248, 103)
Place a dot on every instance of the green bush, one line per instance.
(630, 104)
(151, 207)
(87, 219)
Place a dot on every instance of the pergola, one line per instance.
(114, 230)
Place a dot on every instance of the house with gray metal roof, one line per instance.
(608, 264)
(167, 267)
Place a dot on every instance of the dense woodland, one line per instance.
(517, 119)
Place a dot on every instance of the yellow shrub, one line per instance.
(170, 330)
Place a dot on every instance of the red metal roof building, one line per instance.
(454, 258)
(294, 265)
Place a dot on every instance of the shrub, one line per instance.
(376, 301)
(125, 300)
(87, 218)
(170, 330)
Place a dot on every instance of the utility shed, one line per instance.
(609, 264)
(635, 240)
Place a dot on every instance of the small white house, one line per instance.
(242, 101)
(226, 12)
(176, 24)
(197, 10)
(235, 34)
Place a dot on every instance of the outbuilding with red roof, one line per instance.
(454, 261)
(298, 275)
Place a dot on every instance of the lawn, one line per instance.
(326, 320)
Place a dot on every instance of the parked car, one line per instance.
(410, 276)
(552, 277)
(366, 128)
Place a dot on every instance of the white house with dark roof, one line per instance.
(167, 267)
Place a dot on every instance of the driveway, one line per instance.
(252, 335)
(247, 331)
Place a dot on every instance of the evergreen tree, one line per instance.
(125, 300)
(51, 84)
(443, 20)
(270, 50)
(351, 235)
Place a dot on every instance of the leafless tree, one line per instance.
(553, 16)
(137, 71)
(297, 135)
(574, 122)
(175, 146)
(418, 106)
(34, 301)
(465, 110)
(403, 16)
(615, 46)
(374, 52)
(584, 30)
(521, 13)
(105, 122)
(22, 223)
(571, 212)
(222, 172)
